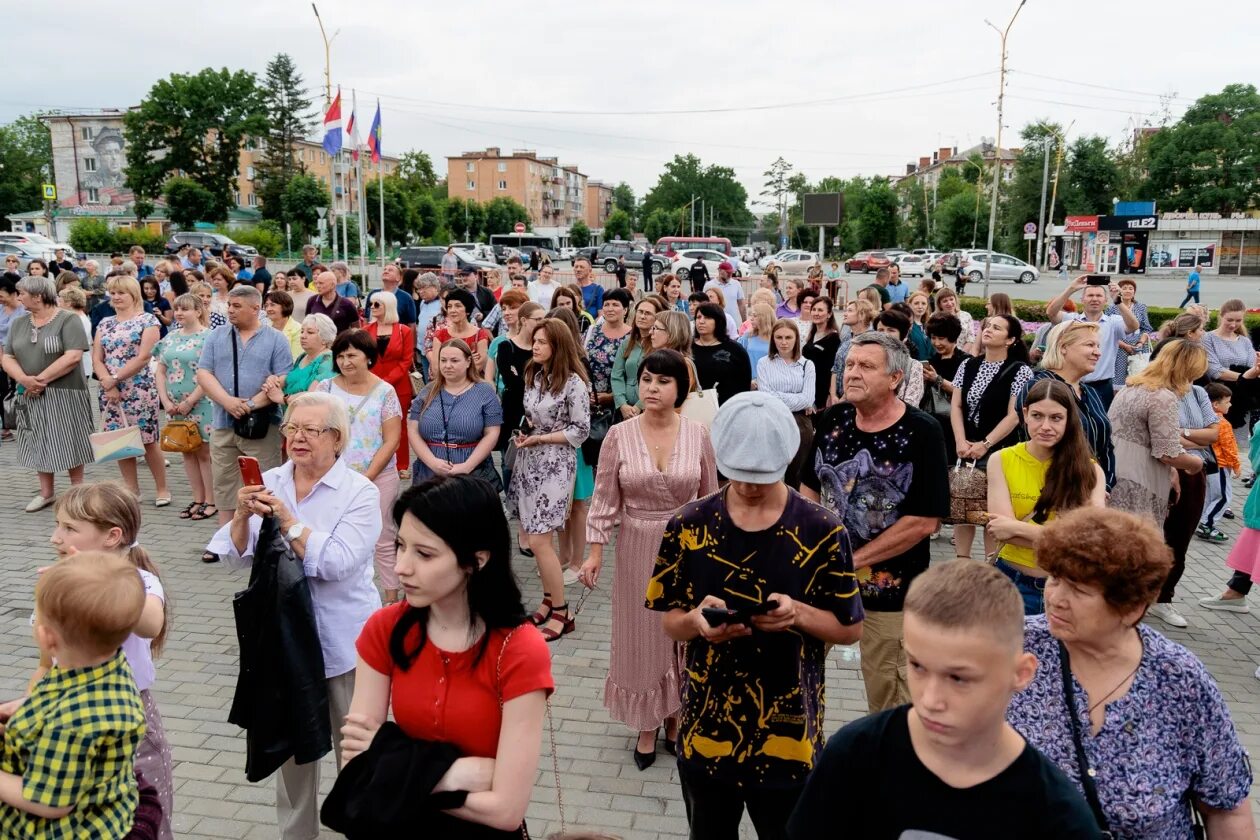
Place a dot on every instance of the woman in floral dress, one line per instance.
(183, 399)
(603, 342)
(558, 411)
(120, 356)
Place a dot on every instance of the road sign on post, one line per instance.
(519, 227)
(50, 192)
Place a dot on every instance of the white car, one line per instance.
(37, 242)
(475, 251)
(682, 263)
(911, 265)
(791, 261)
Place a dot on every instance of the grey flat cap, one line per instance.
(755, 438)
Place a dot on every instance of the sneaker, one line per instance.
(1168, 615)
(1227, 514)
(1258, 673)
(1238, 605)
(1211, 534)
(570, 577)
(39, 503)
(1249, 480)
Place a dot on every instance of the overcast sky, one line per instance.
(886, 82)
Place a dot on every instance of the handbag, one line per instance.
(485, 470)
(968, 494)
(180, 436)
(9, 420)
(118, 444)
(601, 422)
(701, 405)
(256, 424)
(1138, 362)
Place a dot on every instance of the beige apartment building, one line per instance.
(554, 194)
(599, 203)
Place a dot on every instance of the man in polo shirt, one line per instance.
(326, 301)
(262, 277)
(391, 279)
(1112, 329)
(306, 267)
(897, 290)
(137, 256)
(592, 292)
(732, 292)
(235, 384)
(881, 285)
(193, 262)
(752, 717)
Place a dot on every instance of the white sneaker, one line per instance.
(570, 577)
(1168, 615)
(1238, 605)
(1258, 673)
(39, 503)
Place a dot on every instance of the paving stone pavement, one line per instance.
(602, 790)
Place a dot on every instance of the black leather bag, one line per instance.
(601, 422)
(256, 424)
(281, 698)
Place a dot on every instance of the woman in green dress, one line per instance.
(182, 398)
(313, 365)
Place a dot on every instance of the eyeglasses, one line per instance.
(658, 328)
(292, 430)
(376, 304)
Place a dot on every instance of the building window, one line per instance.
(472, 185)
(86, 132)
(323, 158)
(502, 166)
(253, 199)
(503, 185)
(470, 167)
(236, 198)
(94, 195)
(249, 173)
(251, 145)
(89, 164)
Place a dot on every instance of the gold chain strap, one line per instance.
(551, 730)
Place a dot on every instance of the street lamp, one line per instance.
(997, 150)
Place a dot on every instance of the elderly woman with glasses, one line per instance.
(395, 355)
(330, 516)
(43, 357)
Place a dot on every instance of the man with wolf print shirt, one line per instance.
(880, 465)
(752, 717)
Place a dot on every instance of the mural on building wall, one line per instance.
(100, 164)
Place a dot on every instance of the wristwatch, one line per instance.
(249, 403)
(295, 531)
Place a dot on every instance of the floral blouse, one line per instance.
(1168, 738)
(367, 419)
(602, 353)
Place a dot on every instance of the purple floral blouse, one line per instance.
(1170, 737)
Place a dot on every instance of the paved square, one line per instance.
(602, 790)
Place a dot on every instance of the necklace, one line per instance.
(1108, 695)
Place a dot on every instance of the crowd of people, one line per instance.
(772, 469)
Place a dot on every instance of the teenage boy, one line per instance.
(752, 714)
(967, 772)
(1220, 486)
(67, 760)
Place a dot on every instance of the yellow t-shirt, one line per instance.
(1025, 477)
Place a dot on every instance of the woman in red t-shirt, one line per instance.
(457, 661)
(458, 306)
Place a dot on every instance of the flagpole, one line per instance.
(380, 192)
(345, 200)
(357, 156)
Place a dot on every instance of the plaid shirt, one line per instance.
(74, 742)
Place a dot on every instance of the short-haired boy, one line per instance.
(1220, 485)
(67, 755)
(948, 765)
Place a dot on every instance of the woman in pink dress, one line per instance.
(649, 466)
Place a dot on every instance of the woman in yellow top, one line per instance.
(1032, 482)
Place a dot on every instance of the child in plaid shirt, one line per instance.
(1220, 489)
(67, 754)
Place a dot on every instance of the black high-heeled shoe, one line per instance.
(671, 747)
(643, 760)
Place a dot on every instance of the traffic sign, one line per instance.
(1031, 228)
(1030, 235)
(50, 192)
(519, 227)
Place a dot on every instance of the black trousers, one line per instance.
(714, 809)
(1179, 525)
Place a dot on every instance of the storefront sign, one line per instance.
(1081, 224)
(1201, 217)
(1184, 253)
(1150, 222)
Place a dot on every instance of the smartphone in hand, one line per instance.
(251, 472)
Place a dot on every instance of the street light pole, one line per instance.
(997, 150)
(332, 218)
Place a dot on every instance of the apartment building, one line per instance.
(554, 194)
(599, 205)
(929, 168)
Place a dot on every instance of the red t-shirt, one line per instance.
(443, 334)
(443, 696)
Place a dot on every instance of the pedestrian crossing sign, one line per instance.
(50, 192)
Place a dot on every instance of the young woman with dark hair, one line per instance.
(457, 660)
(1030, 483)
(720, 362)
(820, 346)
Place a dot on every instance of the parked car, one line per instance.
(24, 251)
(567, 253)
(429, 258)
(911, 265)
(1003, 267)
(479, 250)
(45, 246)
(930, 255)
(215, 243)
(606, 256)
(683, 262)
(526, 251)
(876, 260)
(791, 261)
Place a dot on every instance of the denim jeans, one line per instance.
(1031, 589)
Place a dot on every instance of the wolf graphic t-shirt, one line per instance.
(871, 480)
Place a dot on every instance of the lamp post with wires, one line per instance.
(997, 149)
(332, 216)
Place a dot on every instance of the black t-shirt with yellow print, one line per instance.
(753, 706)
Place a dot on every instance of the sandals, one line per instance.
(567, 624)
(207, 510)
(540, 617)
(187, 513)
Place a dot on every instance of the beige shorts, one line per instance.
(225, 447)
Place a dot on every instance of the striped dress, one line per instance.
(53, 429)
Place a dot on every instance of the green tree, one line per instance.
(465, 218)
(623, 199)
(188, 202)
(877, 221)
(1092, 178)
(959, 224)
(618, 225)
(25, 151)
(777, 188)
(579, 234)
(416, 168)
(662, 222)
(428, 217)
(1020, 199)
(302, 195)
(502, 214)
(400, 210)
(1209, 160)
(289, 120)
(686, 176)
(92, 236)
(194, 125)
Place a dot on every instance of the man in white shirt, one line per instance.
(732, 291)
(542, 289)
(1111, 328)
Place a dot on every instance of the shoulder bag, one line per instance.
(485, 470)
(701, 405)
(968, 494)
(256, 424)
(118, 444)
(180, 435)
(1082, 763)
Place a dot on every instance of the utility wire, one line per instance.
(1101, 87)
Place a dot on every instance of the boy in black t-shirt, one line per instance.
(958, 769)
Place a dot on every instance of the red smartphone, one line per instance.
(251, 473)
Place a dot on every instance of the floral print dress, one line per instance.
(543, 476)
(180, 352)
(120, 342)
(602, 354)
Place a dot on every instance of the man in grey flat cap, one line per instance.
(758, 581)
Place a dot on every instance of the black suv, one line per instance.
(606, 256)
(214, 243)
(429, 258)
